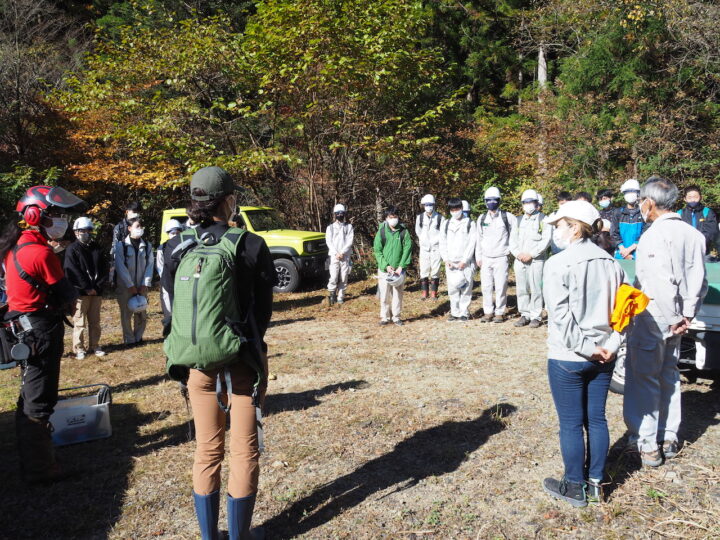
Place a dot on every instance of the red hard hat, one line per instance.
(45, 197)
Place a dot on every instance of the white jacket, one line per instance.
(579, 286)
(339, 238)
(531, 236)
(135, 270)
(429, 234)
(457, 241)
(493, 237)
(670, 269)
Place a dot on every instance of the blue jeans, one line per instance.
(580, 390)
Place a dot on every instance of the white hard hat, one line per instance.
(395, 280)
(338, 208)
(580, 210)
(137, 303)
(529, 195)
(492, 193)
(630, 185)
(172, 224)
(427, 199)
(456, 280)
(540, 199)
(83, 223)
(465, 206)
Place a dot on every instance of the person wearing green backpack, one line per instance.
(222, 304)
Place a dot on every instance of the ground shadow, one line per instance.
(432, 452)
(441, 308)
(88, 504)
(139, 383)
(298, 401)
(283, 322)
(295, 303)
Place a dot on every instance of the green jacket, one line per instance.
(397, 250)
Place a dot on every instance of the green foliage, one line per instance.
(14, 182)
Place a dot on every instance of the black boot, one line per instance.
(569, 492)
(239, 516)
(332, 298)
(424, 287)
(434, 284)
(35, 447)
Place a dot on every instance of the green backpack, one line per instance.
(208, 330)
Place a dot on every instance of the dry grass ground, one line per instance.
(432, 430)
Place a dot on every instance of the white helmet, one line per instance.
(427, 199)
(395, 280)
(173, 224)
(83, 223)
(540, 199)
(466, 206)
(456, 280)
(338, 208)
(137, 303)
(529, 195)
(492, 193)
(630, 185)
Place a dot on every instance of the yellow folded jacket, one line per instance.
(629, 301)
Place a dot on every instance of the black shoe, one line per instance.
(670, 449)
(398, 323)
(332, 298)
(522, 321)
(384, 322)
(535, 323)
(452, 318)
(566, 491)
(463, 319)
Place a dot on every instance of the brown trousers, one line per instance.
(86, 320)
(210, 433)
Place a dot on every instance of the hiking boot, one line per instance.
(670, 449)
(535, 323)
(569, 492)
(463, 319)
(499, 318)
(594, 492)
(651, 459)
(486, 318)
(398, 323)
(332, 298)
(37, 454)
(452, 318)
(383, 322)
(522, 321)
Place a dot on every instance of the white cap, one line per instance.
(338, 208)
(529, 195)
(466, 206)
(541, 201)
(172, 224)
(630, 185)
(492, 193)
(606, 224)
(580, 210)
(427, 199)
(83, 223)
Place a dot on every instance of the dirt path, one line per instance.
(432, 430)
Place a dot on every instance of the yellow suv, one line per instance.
(297, 254)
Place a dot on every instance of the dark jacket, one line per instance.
(120, 231)
(86, 267)
(626, 227)
(607, 213)
(704, 221)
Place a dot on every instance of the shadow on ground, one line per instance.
(432, 452)
(298, 401)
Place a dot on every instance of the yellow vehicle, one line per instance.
(297, 254)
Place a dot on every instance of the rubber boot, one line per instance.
(424, 285)
(332, 298)
(239, 515)
(434, 288)
(207, 509)
(36, 451)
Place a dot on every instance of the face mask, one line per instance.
(560, 239)
(693, 204)
(84, 237)
(604, 203)
(132, 215)
(529, 208)
(136, 233)
(456, 214)
(59, 248)
(492, 205)
(340, 217)
(631, 197)
(393, 222)
(57, 229)
(642, 214)
(429, 208)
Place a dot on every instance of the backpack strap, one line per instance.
(422, 215)
(34, 283)
(503, 215)
(482, 219)
(383, 238)
(447, 225)
(469, 225)
(437, 222)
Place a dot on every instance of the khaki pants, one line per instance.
(86, 320)
(210, 433)
(133, 324)
(390, 299)
(494, 277)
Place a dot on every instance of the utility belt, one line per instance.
(17, 343)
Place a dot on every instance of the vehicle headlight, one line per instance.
(313, 246)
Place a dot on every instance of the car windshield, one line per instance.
(265, 220)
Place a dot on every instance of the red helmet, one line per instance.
(37, 199)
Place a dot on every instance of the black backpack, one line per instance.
(503, 215)
(437, 225)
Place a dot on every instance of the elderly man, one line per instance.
(670, 270)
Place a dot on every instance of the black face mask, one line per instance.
(492, 205)
(693, 204)
(340, 217)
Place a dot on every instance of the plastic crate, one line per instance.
(82, 417)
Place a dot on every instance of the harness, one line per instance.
(503, 215)
(437, 221)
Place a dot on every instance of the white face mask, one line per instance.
(393, 222)
(429, 208)
(604, 203)
(643, 215)
(456, 214)
(57, 229)
(136, 233)
(560, 237)
(132, 215)
(529, 208)
(631, 197)
(84, 237)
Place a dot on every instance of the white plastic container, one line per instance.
(82, 417)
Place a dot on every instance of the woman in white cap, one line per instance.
(580, 284)
(339, 237)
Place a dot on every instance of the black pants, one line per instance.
(41, 376)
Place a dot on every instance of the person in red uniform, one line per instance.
(38, 295)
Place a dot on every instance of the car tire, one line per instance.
(617, 382)
(288, 276)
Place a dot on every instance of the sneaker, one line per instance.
(535, 323)
(340, 300)
(523, 321)
(670, 449)
(99, 353)
(566, 491)
(486, 318)
(651, 459)
(594, 492)
(80, 355)
(452, 318)
(463, 319)
(499, 318)
(383, 322)
(398, 323)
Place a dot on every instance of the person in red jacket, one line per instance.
(38, 295)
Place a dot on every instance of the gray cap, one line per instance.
(214, 181)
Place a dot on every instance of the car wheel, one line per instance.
(617, 383)
(288, 276)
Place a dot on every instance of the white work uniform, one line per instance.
(427, 229)
(530, 236)
(670, 269)
(491, 250)
(457, 244)
(339, 237)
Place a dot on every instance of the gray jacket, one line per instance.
(579, 286)
(531, 236)
(134, 270)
